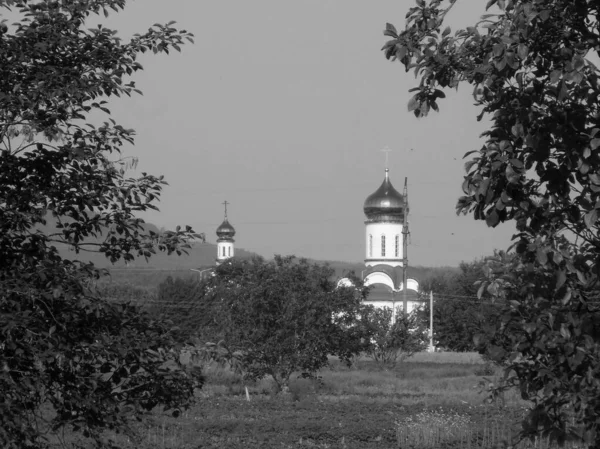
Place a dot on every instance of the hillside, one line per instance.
(200, 255)
(203, 255)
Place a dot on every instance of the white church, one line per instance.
(225, 242)
(386, 231)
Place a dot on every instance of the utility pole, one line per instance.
(405, 249)
(431, 348)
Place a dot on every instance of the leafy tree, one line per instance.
(532, 77)
(68, 358)
(284, 315)
(458, 313)
(184, 302)
(392, 341)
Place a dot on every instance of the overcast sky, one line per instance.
(281, 108)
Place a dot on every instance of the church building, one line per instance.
(225, 246)
(225, 234)
(386, 231)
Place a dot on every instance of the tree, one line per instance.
(532, 77)
(184, 302)
(392, 341)
(68, 358)
(284, 315)
(458, 313)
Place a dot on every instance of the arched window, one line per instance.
(397, 245)
(229, 251)
(223, 251)
(383, 245)
(370, 245)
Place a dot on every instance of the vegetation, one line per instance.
(393, 340)
(283, 316)
(70, 360)
(431, 401)
(459, 314)
(529, 65)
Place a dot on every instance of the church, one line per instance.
(386, 259)
(225, 246)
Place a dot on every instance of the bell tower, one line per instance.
(225, 241)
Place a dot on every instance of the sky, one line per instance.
(282, 108)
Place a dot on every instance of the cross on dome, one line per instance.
(387, 150)
(225, 203)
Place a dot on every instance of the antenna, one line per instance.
(405, 248)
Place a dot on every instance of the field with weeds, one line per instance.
(429, 401)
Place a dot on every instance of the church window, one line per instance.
(370, 245)
(229, 251)
(383, 245)
(223, 251)
(397, 245)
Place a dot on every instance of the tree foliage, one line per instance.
(530, 65)
(184, 302)
(392, 340)
(284, 315)
(458, 314)
(68, 358)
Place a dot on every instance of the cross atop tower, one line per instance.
(387, 150)
(225, 203)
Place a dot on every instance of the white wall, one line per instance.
(390, 230)
(378, 277)
(229, 250)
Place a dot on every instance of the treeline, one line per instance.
(277, 317)
(458, 313)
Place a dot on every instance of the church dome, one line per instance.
(225, 231)
(386, 203)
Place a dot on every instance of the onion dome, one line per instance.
(225, 231)
(386, 203)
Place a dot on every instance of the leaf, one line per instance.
(595, 143)
(523, 51)
(578, 62)
(414, 103)
(492, 218)
(544, 15)
(563, 92)
(446, 31)
(555, 76)
(591, 218)
(561, 278)
(517, 130)
(516, 163)
(490, 3)
(542, 256)
(390, 30)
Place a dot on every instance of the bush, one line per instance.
(390, 341)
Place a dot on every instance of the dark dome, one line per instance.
(386, 202)
(225, 231)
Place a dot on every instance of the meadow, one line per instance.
(429, 401)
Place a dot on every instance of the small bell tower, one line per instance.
(225, 241)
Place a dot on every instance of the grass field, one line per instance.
(429, 401)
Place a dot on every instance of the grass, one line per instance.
(431, 401)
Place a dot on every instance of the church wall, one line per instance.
(374, 249)
(229, 250)
(379, 277)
